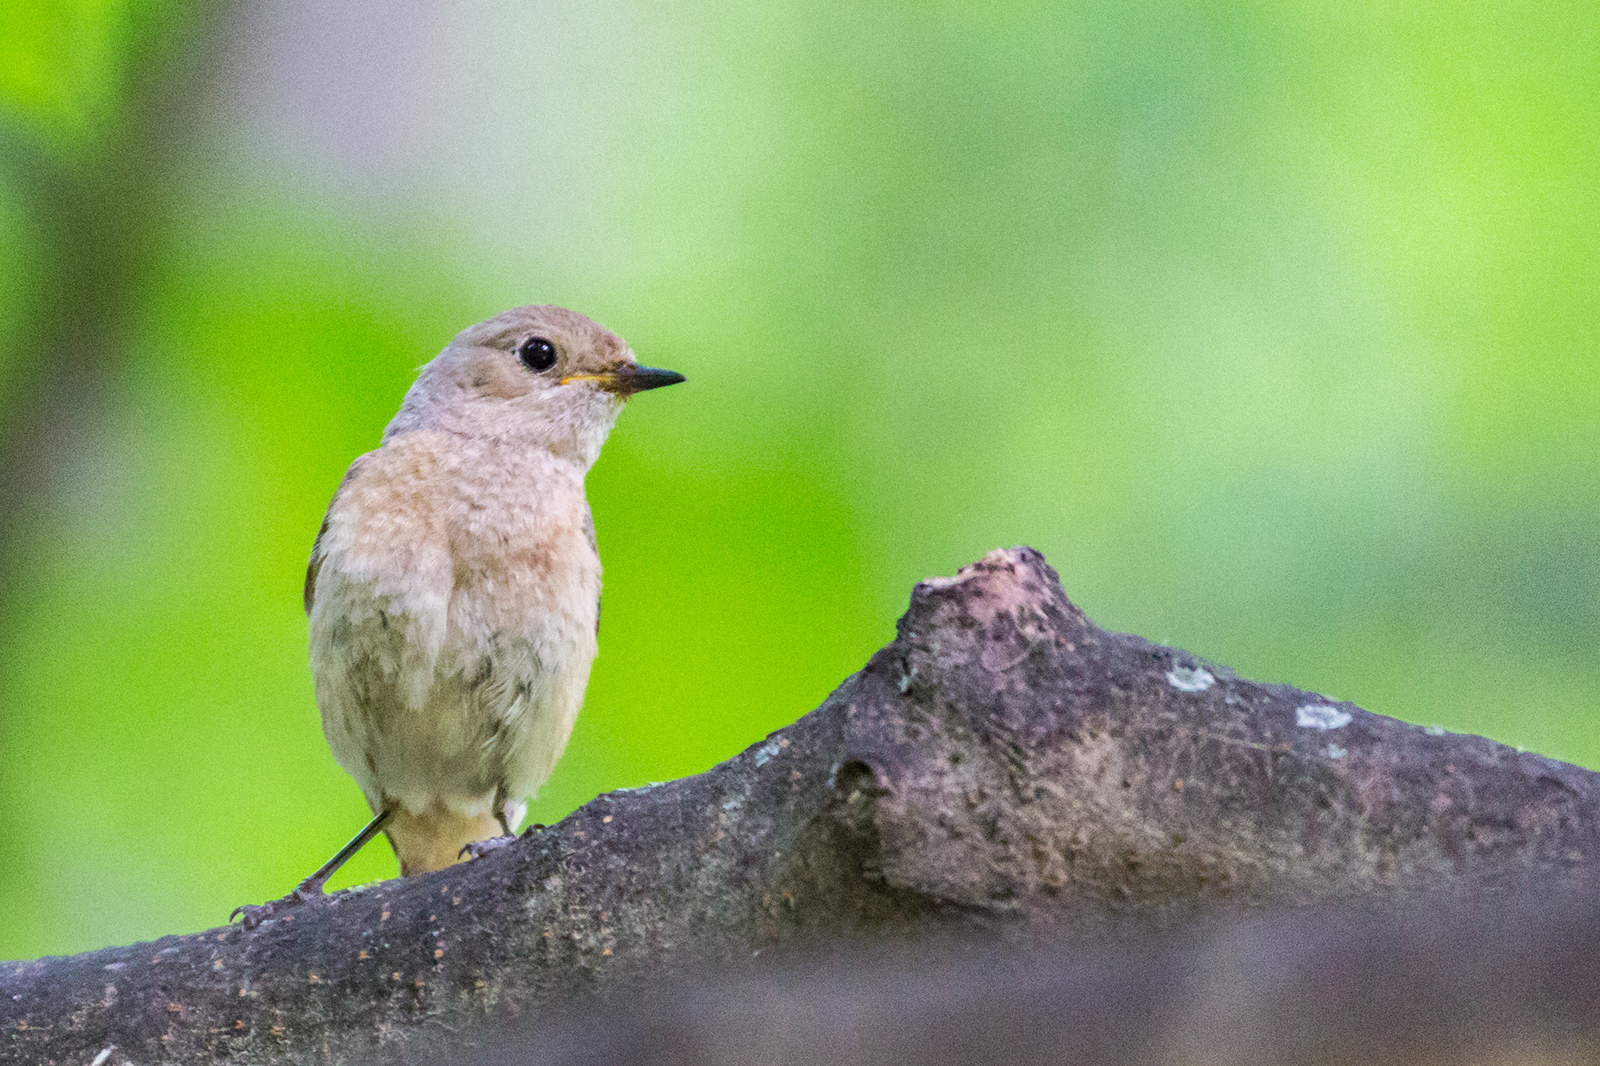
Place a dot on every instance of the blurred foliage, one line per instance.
(62, 63)
(1273, 325)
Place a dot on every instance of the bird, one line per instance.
(453, 590)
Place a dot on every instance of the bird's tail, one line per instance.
(432, 841)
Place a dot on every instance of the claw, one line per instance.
(479, 848)
(256, 913)
(311, 887)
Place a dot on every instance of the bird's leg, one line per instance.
(311, 887)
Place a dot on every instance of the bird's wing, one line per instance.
(588, 531)
(315, 563)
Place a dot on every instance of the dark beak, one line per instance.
(629, 379)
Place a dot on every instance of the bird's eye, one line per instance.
(537, 354)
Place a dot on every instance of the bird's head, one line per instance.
(538, 376)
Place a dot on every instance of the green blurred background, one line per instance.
(1273, 325)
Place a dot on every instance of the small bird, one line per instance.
(453, 591)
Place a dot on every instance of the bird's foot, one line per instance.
(256, 913)
(479, 848)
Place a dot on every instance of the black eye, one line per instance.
(537, 354)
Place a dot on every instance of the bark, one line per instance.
(1004, 769)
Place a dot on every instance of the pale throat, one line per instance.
(575, 431)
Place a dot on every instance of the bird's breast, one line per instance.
(520, 552)
(466, 548)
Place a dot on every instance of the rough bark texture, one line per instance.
(1004, 768)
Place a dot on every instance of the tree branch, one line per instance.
(1003, 768)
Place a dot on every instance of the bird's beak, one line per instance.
(628, 379)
